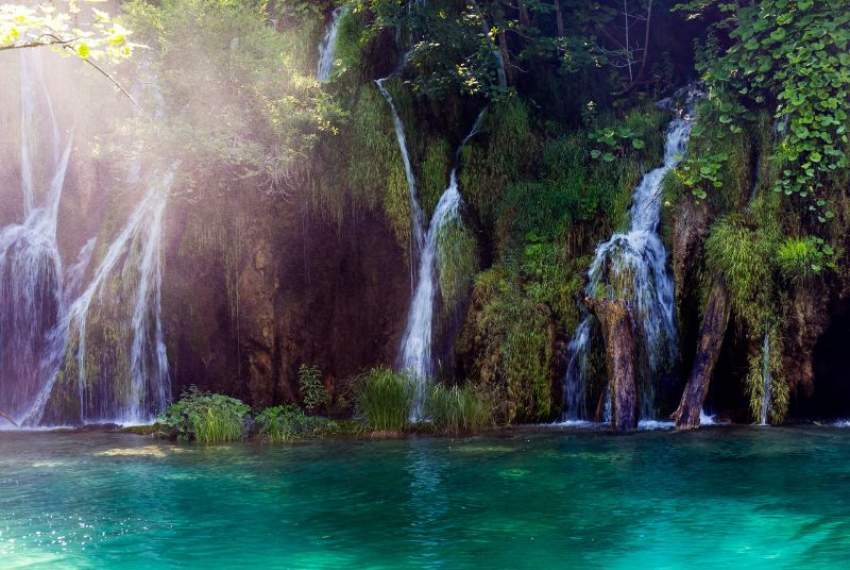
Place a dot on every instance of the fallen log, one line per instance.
(714, 324)
(618, 333)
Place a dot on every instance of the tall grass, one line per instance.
(455, 410)
(384, 398)
(205, 417)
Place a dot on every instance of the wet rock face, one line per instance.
(254, 287)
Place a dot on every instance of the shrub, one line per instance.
(205, 417)
(384, 398)
(313, 392)
(287, 422)
(456, 410)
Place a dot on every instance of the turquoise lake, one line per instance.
(717, 498)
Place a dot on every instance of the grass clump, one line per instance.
(206, 418)
(384, 398)
(457, 410)
(801, 259)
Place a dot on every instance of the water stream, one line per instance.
(766, 379)
(633, 266)
(327, 47)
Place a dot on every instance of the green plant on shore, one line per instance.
(457, 410)
(384, 398)
(205, 417)
(287, 422)
(314, 395)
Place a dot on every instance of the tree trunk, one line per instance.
(559, 19)
(618, 332)
(524, 18)
(714, 323)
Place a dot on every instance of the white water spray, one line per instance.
(634, 265)
(327, 47)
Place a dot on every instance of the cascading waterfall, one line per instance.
(31, 292)
(327, 47)
(633, 265)
(766, 379)
(44, 310)
(416, 343)
(418, 335)
(149, 386)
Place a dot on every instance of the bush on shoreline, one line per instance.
(205, 417)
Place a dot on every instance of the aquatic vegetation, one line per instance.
(384, 399)
(205, 418)
(458, 410)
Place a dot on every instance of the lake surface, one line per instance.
(726, 497)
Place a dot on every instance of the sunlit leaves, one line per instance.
(32, 26)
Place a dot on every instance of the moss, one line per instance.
(457, 264)
(508, 151)
(434, 174)
(508, 335)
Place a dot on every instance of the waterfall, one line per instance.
(418, 335)
(766, 379)
(45, 309)
(149, 386)
(633, 265)
(327, 47)
(416, 343)
(31, 293)
(416, 217)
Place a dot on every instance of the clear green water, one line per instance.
(745, 498)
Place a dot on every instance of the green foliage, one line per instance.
(611, 143)
(743, 255)
(384, 398)
(510, 147)
(206, 418)
(760, 364)
(803, 258)
(239, 95)
(23, 26)
(285, 423)
(434, 174)
(793, 57)
(314, 395)
(508, 335)
(457, 263)
(458, 410)
(717, 166)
